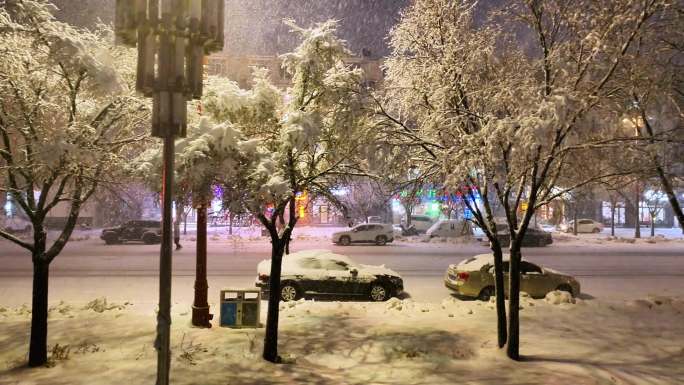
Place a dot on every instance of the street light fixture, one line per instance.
(172, 37)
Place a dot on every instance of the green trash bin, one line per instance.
(240, 308)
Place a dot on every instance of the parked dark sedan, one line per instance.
(320, 272)
(533, 237)
(148, 232)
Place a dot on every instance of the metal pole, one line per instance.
(162, 343)
(162, 41)
(200, 307)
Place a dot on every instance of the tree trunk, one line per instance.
(500, 295)
(574, 219)
(200, 306)
(637, 220)
(230, 223)
(271, 336)
(39, 312)
(671, 197)
(652, 225)
(513, 345)
(408, 208)
(612, 218)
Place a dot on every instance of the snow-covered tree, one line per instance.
(655, 199)
(264, 146)
(499, 103)
(651, 99)
(364, 197)
(67, 123)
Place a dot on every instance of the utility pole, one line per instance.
(172, 37)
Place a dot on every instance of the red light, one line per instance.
(463, 276)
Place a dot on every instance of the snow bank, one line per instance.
(623, 236)
(656, 302)
(558, 297)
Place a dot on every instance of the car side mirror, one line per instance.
(354, 272)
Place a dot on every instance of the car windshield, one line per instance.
(529, 268)
(525, 267)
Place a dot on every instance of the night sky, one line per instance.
(254, 27)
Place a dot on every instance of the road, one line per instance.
(88, 268)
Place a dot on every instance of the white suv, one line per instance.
(422, 222)
(378, 233)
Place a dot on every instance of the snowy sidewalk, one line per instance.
(397, 342)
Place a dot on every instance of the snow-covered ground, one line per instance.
(397, 342)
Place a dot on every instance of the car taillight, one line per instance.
(263, 277)
(463, 276)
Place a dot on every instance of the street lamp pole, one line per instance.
(172, 37)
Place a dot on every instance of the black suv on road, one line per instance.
(148, 232)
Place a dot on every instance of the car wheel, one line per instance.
(541, 242)
(289, 292)
(486, 293)
(111, 238)
(565, 288)
(345, 241)
(378, 292)
(149, 239)
(596, 230)
(381, 240)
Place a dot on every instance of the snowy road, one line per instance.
(88, 268)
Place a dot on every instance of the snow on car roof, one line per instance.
(479, 261)
(290, 260)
